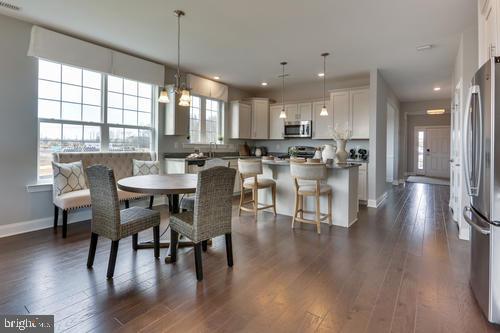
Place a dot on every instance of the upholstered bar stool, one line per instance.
(249, 170)
(307, 179)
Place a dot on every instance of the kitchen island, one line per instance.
(343, 178)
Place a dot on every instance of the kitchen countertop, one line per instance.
(333, 166)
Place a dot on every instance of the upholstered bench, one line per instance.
(120, 162)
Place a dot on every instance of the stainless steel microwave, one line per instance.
(298, 129)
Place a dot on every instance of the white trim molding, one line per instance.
(376, 203)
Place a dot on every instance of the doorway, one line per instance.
(432, 151)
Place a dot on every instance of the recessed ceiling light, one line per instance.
(437, 88)
(217, 77)
(321, 74)
(263, 84)
(436, 111)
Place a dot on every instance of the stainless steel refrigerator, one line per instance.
(481, 149)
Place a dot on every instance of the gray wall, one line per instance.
(19, 127)
(409, 109)
(421, 120)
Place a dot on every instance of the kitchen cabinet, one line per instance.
(276, 124)
(298, 112)
(176, 117)
(351, 111)
(360, 113)
(291, 111)
(488, 30)
(322, 125)
(363, 182)
(241, 120)
(260, 118)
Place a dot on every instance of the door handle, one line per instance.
(483, 230)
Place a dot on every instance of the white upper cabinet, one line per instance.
(322, 125)
(351, 111)
(488, 30)
(241, 120)
(260, 118)
(250, 119)
(276, 124)
(291, 111)
(360, 113)
(304, 111)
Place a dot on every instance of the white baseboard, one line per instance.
(376, 203)
(73, 217)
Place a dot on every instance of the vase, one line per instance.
(341, 154)
(327, 153)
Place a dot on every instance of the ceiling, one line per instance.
(243, 42)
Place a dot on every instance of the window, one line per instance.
(420, 150)
(75, 115)
(205, 120)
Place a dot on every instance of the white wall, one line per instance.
(380, 94)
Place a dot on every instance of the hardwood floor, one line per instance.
(400, 268)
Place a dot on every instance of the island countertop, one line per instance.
(329, 166)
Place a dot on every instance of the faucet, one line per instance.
(211, 153)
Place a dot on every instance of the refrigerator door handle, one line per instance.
(465, 144)
(472, 190)
(483, 230)
(475, 188)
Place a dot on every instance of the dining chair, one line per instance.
(210, 217)
(311, 175)
(111, 222)
(187, 202)
(249, 170)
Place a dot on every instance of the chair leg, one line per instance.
(65, 223)
(301, 206)
(174, 238)
(229, 249)
(112, 259)
(242, 197)
(127, 204)
(330, 222)
(156, 240)
(295, 209)
(197, 261)
(92, 248)
(151, 199)
(318, 215)
(256, 201)
(204, 245)
(273, 189)
(56, 216)
(135, 240)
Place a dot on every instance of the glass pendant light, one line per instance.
(283, 113)
(179, 89)
(324, 110)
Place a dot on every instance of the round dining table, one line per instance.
(170, 185)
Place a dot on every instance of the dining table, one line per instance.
(171, 185)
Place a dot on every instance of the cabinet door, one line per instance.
(245, 121)
(304, 111)
(363, 182)
(360, 113)
(275, 123)
(291, 112)
(260, 119)
(322, 125)
(340, 104)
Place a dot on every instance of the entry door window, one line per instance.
(420, 150)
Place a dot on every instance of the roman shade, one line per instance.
(54, 46)
(207, 88)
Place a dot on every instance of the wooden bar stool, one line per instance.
(249, 170)
(312, 174)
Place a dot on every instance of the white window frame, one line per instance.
(203, 124)
(103, 124)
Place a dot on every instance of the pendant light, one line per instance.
(180, 88)
(283, 75)
(324, 110)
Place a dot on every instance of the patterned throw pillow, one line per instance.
(142, 168)
(68, 177)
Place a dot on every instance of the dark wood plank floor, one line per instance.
(400, 268)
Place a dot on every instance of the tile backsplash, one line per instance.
(281, 146)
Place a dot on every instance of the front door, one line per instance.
(437, 152)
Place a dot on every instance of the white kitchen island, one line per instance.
(343, 178)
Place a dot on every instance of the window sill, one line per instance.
(39, 187)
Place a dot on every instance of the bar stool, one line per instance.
(312, 174)
(249, 170)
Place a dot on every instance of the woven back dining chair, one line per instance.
(111, 222)
(211, 216)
